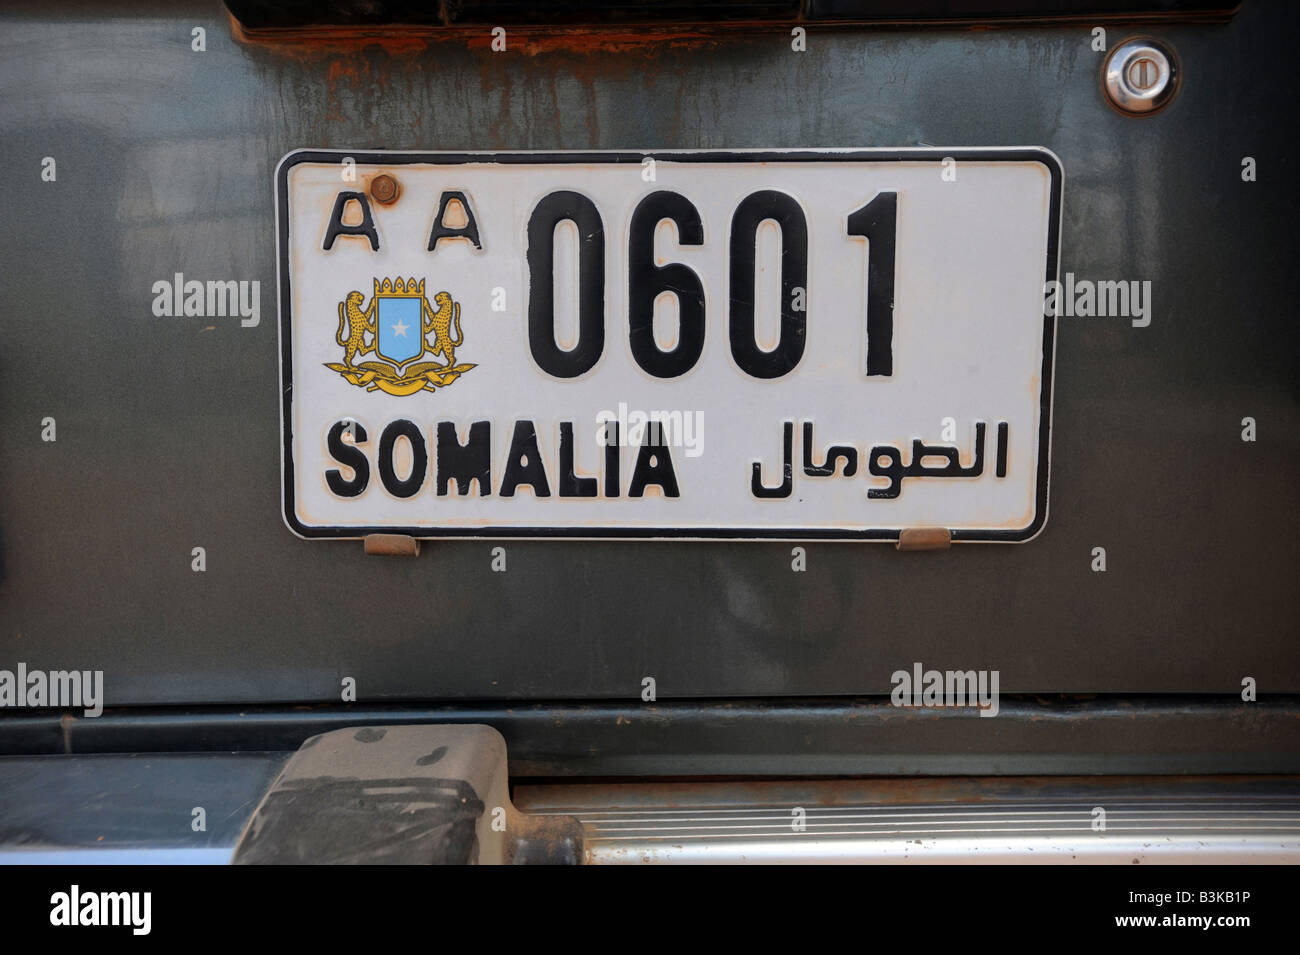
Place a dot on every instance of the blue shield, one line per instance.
(400, 337)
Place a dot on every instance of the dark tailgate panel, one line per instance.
(168, 430)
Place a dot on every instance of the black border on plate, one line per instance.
(924, 154)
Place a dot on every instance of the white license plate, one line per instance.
(770, 344)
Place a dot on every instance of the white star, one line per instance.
(399, 329)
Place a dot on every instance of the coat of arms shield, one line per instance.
(399, 337)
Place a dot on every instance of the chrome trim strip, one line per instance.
(1166, 820)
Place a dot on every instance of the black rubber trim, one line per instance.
(789, 737)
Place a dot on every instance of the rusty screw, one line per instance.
(383, 189)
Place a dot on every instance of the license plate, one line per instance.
(759, 344)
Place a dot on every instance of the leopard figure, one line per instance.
(353, 325)
(439, 323)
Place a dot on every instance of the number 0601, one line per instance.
(646, 281)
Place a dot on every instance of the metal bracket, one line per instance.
(924, 538)
(391, 545)
(422, 794)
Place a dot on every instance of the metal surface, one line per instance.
(168, 438)
(138, 808)
(391, 545)
(1140, 76)
(1080, 821)
(924, 538)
